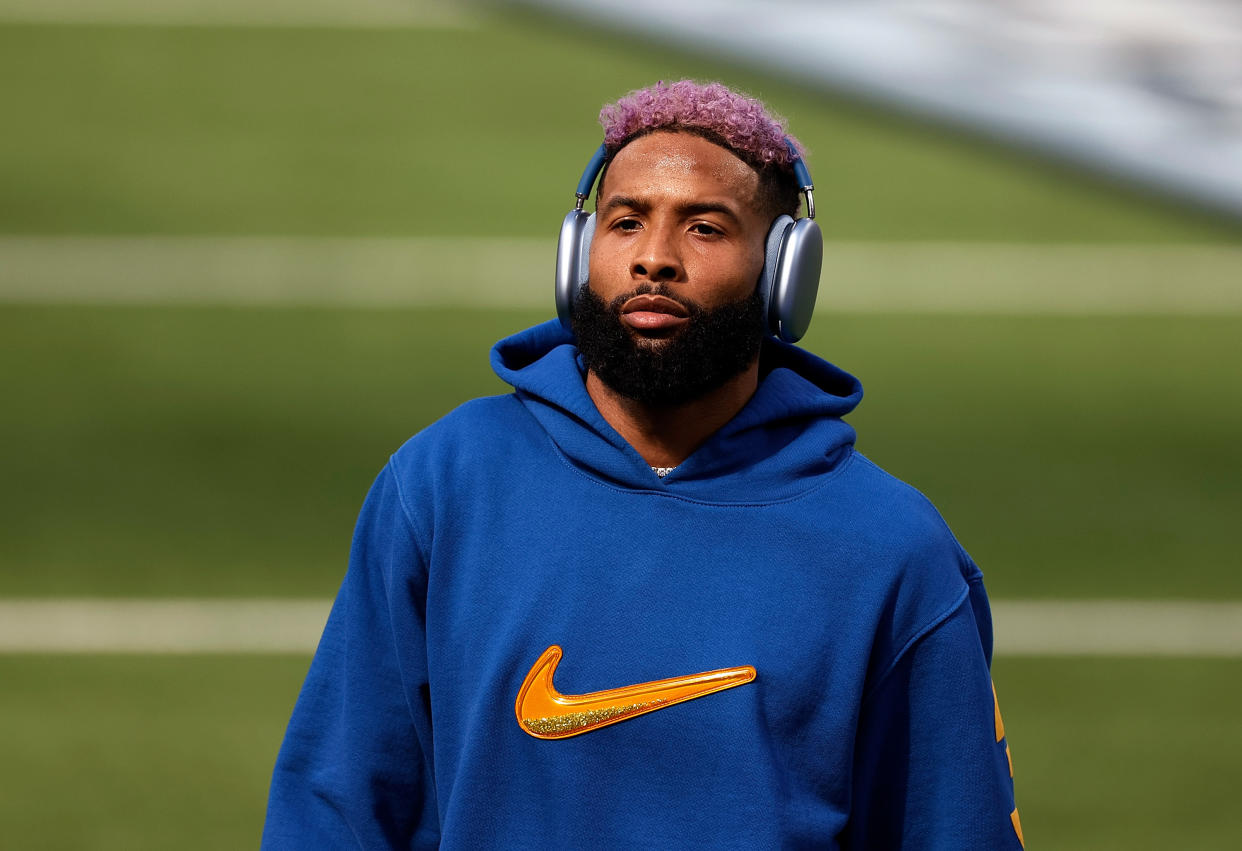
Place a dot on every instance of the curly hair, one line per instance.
(736, 122)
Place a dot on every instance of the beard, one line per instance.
(715, 345)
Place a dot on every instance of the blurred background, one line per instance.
(248, 248)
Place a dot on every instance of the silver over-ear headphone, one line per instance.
(793, 255)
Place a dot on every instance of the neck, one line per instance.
(665, 436)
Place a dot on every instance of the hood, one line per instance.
(778, 446)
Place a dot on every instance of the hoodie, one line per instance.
(863, 716)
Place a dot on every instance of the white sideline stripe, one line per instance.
(161, 626)
(363, 14)
(517, 272)
(438, 271)
(1023, 628)
(1117, 628)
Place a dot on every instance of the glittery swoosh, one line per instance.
(545, 713)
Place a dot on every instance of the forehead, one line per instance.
(665, 162)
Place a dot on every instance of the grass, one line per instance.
(1114, 754)
(1073, 456)
(172, 451)
(108, 753)
(167, 451)
(217, 451)
(160, 752)
(479, 131)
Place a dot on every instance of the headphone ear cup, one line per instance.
(573, 249)
(584, 252)
(795, 283)
(771, 258)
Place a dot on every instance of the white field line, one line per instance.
(278, 270)
(363, 14)
(1023, 628)
(1117, 628)
(517, 272)
(161, 626)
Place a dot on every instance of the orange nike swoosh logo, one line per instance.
(545, 713)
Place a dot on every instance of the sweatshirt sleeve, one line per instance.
(354, 770)
(931, 766)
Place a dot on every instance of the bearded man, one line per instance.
(758, 638)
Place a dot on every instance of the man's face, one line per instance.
(671, 311)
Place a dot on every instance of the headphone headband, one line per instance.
(592, 170)
(596, 164)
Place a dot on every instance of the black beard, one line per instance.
(713, 347)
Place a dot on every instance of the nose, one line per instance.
(656, 257)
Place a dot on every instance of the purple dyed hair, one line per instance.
(742, 123)
(730, 119)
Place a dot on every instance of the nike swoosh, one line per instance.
(545, 713)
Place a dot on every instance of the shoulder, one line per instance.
(475, 425)
(464, 448)
(445, 458)
(898, 518)
(914, 563)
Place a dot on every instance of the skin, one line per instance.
(677, 212)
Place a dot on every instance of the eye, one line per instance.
(627, 224)
(704, 229)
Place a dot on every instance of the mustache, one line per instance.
(653, 289)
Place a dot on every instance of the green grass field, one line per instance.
(474, 131)
(171, 451)
(223, 451)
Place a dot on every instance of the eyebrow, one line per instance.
(691, 209)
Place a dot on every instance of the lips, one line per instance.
(653, 313)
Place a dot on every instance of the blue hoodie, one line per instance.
(525, 521)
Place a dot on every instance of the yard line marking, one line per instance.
(350, 14)
(1117, 628)
(909, 277)
(415, 271)
(1023, 627)
(161, 626)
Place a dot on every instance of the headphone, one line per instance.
(793, 254)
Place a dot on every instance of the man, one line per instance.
(653, 598)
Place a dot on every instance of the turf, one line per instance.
(475, 131)
(166, 451)
(108, 753)
(162, 752)
(1113, 754)
(183, 451)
